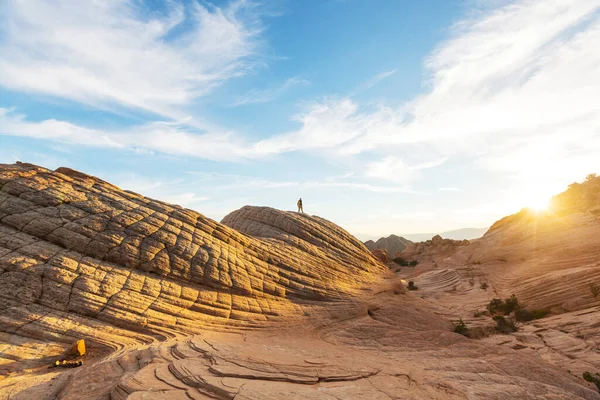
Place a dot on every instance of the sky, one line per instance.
(385, 116)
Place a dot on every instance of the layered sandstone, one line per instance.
(265, 305)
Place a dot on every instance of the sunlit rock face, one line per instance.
(266, 304)
(74, 243)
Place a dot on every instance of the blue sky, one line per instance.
(384, 116)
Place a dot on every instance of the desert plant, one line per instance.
(505, 325)
(495, 305)
(523, 315)
(401, 261)
(411, 286)
(405, 263)
(511, 304)
(593, 378)
(477, 314)
(506, 307)
(461, 328)
(595, 289)
(484, 286)
(589, 177)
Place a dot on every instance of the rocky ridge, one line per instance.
(265, 305)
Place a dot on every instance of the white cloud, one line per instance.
(230, 181)
(163, 137)
(267, 95)
(513, 91)
(115, 53)
(396, 170)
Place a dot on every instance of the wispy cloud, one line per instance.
(233, 181)
(512, 91)
(374, 81)
(449, 189)
(395, 169)
(164, 137)
(117, 54)
(267, 95)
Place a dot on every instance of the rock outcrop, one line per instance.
(382, 255)
(266, 304)
(432, 251)
(393, 244)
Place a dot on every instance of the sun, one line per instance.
(539, 203)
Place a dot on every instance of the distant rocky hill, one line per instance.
(457, 234)
(393, 244)
(432, 250)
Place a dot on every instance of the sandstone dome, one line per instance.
(267, 304)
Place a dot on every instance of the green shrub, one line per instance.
(411, 286)
(401, 261)
(505, 325)
(593, 378)
(506, 307)
(405, 263)
(523, 315)
(461, 328)
(537, 314)
(595, 289)
(484, 286)
(511, 304)
(495, 305)
(477, 314)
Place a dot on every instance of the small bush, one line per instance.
(537, 314)
(595, 289)
(593, 378)
(523, 315)
(401, 261)
(461, 328)
(477, 314)
(484, 286)
(495, 305)
(405, 263)
(511, 304)
(411, 286)
(506, 307)
(505, 325)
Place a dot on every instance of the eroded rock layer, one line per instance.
(80, 255)
(265, 305)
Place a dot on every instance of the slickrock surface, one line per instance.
(549, 260)
(265, 305)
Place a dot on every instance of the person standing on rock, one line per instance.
(300, 209)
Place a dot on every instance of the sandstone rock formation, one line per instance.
(549, 260)
(265, 305)
(432, 251)
(382, 255)
(393, 244)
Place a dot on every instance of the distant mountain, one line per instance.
(457, 234)
(392, 244)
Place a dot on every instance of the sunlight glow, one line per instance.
(538, 203)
